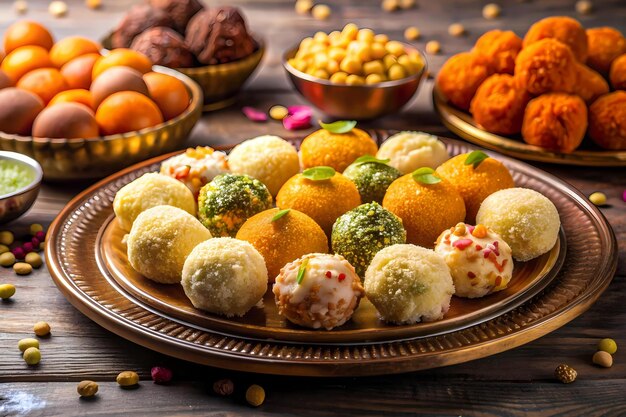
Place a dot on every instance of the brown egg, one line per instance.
(66, 120)
(5, 81)
(77, 72)
(18, 109)
(117, 79)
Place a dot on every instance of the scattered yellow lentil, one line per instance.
(412, 33)
(584, 7)
(603, 359)
(20, 6)
(407, 4)
(491, 11)
(33, 259)
(598, 198)
(433, 47)
(29, 342)
(7, 291)
(32, 356)
(278, 112)
(255, 395)
(390, 5)
(607, 345)
(58, 8)
(93, 4)
(41, 328)
(7, 259)
(303, 6)
(321, 11)
(87, 388)
(127, 378)
(22, 268)
(3, 249)
(456, 29)
(34, 228)
(6, 238)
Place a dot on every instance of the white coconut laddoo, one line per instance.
(408, 284)
(147, 191)
(480, 261)
(526, 220)
(270, 159)
(326, 296)
(225, 276)
(161, 239)
(408, 151)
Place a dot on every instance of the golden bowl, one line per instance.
(360, 102)
(16, 203)
(90, 158)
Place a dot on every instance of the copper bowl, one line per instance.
(91, 158)
(16, 203)
(358, 102)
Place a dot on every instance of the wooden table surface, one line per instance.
(518, 382)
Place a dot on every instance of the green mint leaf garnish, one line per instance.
(475, 158)
(341, 126)
(302, 270)
(425, 176)
(318, 173)
(369, 158)
(280, 214)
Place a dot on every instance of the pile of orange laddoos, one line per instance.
(554, 86)
(403, 225)
(72, 89)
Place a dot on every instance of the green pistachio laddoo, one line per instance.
(526, 220)
(372, 179)
(147, 191)
(270, 159)
(361, 233)
(225, 276)
(229, 200)
(408, 284)
(160, 240)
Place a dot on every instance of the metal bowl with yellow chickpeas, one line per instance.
(355, 73)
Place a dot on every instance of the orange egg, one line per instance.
(69, 48)
(45, 82)
(77, 72)
(23, 60)
(73, 96)
(122, 57)
(168, 92)
(127, 111)
(27, 33)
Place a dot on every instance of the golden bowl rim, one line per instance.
(26, 160)
(195, 104)
(290, 52)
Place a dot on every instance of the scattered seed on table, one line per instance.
(33, 259)
(6, 238)
(304, 6)
(4, 249)
(412, 33)
(127, 378)
(456, 29)
(278, 112)
(255, 395)
(7, 259)
(29, 342)
(58, 8)
(20, 6)
(42, 245)
(407, 4)
(32, 356)
(19, 253)
(433, 47)
(321, 12)
(22, 268)
(161, 374)
(390, 5)
(565, 373)
(93, 4)
(87, 388)
(224, 387)
(34, 228)
(607, 345)
(491, 11)
(598, 198)
(603, 359)
(7, 291)
(41, 328)
(584, 7)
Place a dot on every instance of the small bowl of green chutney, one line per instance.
(20, 179)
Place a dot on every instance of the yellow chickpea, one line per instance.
(408, 65)
(396, 72)
(365, 35)
(336, 54)
(373, 79)
(320, 60)
(298, 64)
(381, 38)
(350, 31)
(332, 66)
(351, 65)
(318, 48)
(395, 48)
(306, 43)
(320, 73)
(321, 37)
(354, 80)
(389, 60)
(378, 50)
(363, 52)
(333, 36)
(339, 77)
(374, 67)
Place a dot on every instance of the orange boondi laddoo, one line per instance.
(122, 57)
(499, 104)
(590, 84)
(126, 111)
(607, 121)
(605, 44)
(500, 48)
(475, 182)
(546, 66)
(25, 59)
(26, 33)
(562, 28)
(69, 48)
(426, 210)
(283, 240)
(322, 200)
(336, 150)
(555, 121)
(78, 95)
(45, 82)
(77, 72)
(460, 77)
(617, 75)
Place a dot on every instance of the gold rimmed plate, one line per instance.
(463, 124)
(88, 262)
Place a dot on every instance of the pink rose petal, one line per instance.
(304, 110)
(624, 195)
(296, 121)
(254, 115)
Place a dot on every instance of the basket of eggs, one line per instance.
(83, 114)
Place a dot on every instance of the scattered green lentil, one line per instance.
(607, 345)
(371, 179)
(603, 359)
(35, 227)
(33, 259)
(598, 198)
(87, 388)
(32, 356)
(255, 395)
(7, 291)
(278, 112)
(41, 328)
(22, 268)
(4, 249)
(127, 378)
(7, 259)
(29, 342)
(6, 238)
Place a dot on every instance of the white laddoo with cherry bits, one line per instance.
(161, 239)
(196, 167)
(408, 151)
(408, 284)
(225, 276)
(148, 191)
(318, 290)
(480, 261)
(270, 159)
(527, 220)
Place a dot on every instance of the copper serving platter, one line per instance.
(463, 124)
(87, 261)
